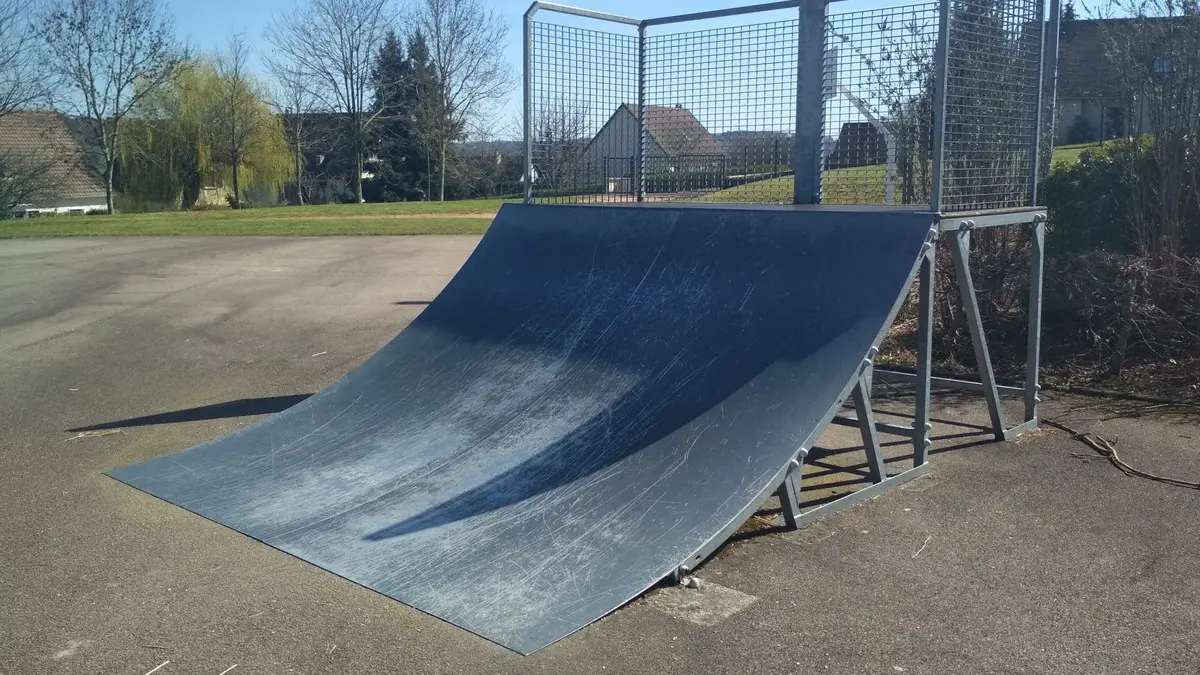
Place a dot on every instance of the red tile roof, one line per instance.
(42, 136)
(677, 131)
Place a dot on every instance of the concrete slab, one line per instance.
(1035, 559)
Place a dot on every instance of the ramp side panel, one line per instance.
(594, 396)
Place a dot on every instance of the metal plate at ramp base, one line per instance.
(595, 396)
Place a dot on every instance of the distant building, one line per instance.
(676, 143)
(858, 144)
(40, 143)
(1092, 102)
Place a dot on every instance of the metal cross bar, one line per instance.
(579, 11)
(719, 13)
(950, 383)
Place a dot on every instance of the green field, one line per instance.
(396, 218)
(859, 185)
(840, 186)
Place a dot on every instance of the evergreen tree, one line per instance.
(428, 118)
(391, 136)
(1068, 11)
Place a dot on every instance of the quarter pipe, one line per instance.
(599, 393)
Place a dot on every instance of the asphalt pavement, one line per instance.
(1032, 556)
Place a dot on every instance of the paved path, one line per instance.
(1017, 557)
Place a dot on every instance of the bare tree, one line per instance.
(237, 116)
(1156, 56)
(295, 103)
(559, 138)
(329, 48)
(110, 54)
(23, 80)
(466, 41)
(23, 84)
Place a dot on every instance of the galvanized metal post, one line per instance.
(921, 422)
(941, 67)
(1047, 113)
(789, 491)
(961, 252)
(810, 102)
(1034, 353)
(876, 468)
(527, 45)
(640, 161)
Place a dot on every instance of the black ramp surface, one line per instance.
(598, 393)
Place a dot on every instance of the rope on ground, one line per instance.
(1106, 449)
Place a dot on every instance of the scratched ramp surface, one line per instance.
(598, 393)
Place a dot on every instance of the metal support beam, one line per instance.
(941, 57)
(953, 222)
(527, 45)
(810, 103)
(1034, 347)
(961, 253)
(579, 11)
(721, 13)
(640, 160)
(950, 383)
(921, 423)
(1049, 102)
(860, 496)
(789, 492)
(866, 427)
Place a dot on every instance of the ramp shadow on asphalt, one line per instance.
(244, 407)
(829, 476)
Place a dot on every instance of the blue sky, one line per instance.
(208, 25)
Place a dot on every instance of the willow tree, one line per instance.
(179, 140)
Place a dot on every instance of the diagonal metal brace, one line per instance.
(961, 252)
(789, 491)
(866, 427)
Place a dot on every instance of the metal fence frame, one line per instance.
(813, 89)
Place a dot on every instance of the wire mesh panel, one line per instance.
(879, 94)
(721, 113)
(583, 120)
(993, 76)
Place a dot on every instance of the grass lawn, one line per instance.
(398, 218)
(840, 186)
(858, 185)
(1069, 154)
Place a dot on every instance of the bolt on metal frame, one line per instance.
(991, 67)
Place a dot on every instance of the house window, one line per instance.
(1163, 66)
(1114, 122)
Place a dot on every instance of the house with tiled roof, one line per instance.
(39, 141)
(676, 142)
(1092, 100)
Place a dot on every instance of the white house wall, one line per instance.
(617, 141)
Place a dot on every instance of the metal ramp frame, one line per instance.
(816, 82)
(957, 229)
